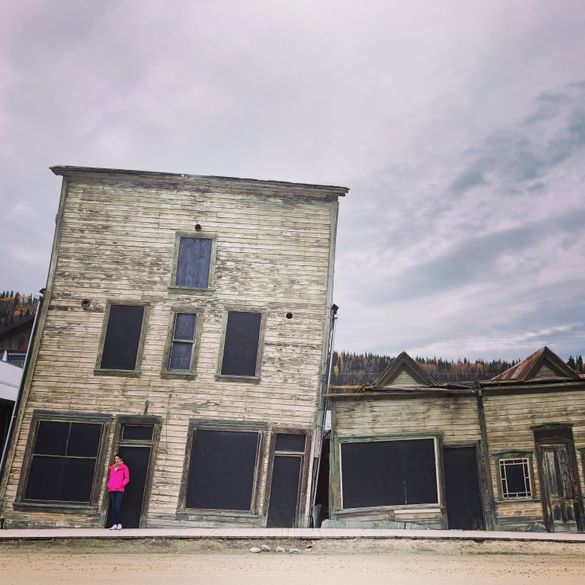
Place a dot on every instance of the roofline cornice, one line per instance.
(177, 178)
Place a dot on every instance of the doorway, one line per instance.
(135, 446)
(464, 507)
(287, 470)
(559, 483)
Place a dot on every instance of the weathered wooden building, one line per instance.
(185, 325)
(507, 454)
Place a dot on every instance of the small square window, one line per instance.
(181, 352)
(194, 261)
(515, 478)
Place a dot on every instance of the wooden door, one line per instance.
(464, 507)
(557, 484)
(136, 447)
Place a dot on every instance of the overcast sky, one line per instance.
(459, 127)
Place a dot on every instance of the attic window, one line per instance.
(193, 262)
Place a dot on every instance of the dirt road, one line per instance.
(363, 562)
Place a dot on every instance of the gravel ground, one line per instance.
(229, 562)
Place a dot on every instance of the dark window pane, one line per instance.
(122, 337)
(419, 469)
(515, 477)
(290, 443)
(180, 358)
(60, 478)
(221, 475)
(84, 440)
(184, 327)
(45, 478)
(241, 344)
(387, 473)
(137, 432)
(77, 480)
(193, 263)
(52, 438)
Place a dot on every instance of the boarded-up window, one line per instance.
(193, 262)
(240, 352)
(515, 478)
(182, 343)
(389, 473)
(221, 475)
(122, 337)
(63, 462)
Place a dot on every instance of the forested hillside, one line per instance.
(14, 306)
(364, 368)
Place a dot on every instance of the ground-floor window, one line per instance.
(63, 460)
(389, 473)
(222, 469)
(515, 478)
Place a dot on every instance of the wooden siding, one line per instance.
(453, 420)
(510, 419)
(116, 243)
(403, 379)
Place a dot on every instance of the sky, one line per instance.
(458, 125)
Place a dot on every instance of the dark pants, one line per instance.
(116, 506)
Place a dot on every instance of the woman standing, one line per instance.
(117, 481)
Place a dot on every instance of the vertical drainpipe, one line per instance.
(323, 402)
(486, 475)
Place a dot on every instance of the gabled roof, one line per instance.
(404, 371)
(543, 364)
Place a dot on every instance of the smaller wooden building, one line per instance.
(507, 454)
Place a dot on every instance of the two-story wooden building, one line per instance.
(185, 325)
(507, 454)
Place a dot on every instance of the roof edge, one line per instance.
(67, 171)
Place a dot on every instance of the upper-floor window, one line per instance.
(181, 354)
(193, 262)
(123, 338)
(241, 355)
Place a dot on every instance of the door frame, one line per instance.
(117, 442)
(480, 478)
(302, 488)
(552, 435)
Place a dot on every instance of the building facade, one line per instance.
(507, 454)
(185, 325)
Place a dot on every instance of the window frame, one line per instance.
(173, 286)
(253, 513)
(38, 416)
(515, 456)
(438, 448)
(98, 370)
(260, 349)
(191, 373)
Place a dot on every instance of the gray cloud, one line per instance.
(459, 127)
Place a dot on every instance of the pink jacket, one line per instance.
(119, 478)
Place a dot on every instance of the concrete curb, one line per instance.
(26, 534)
